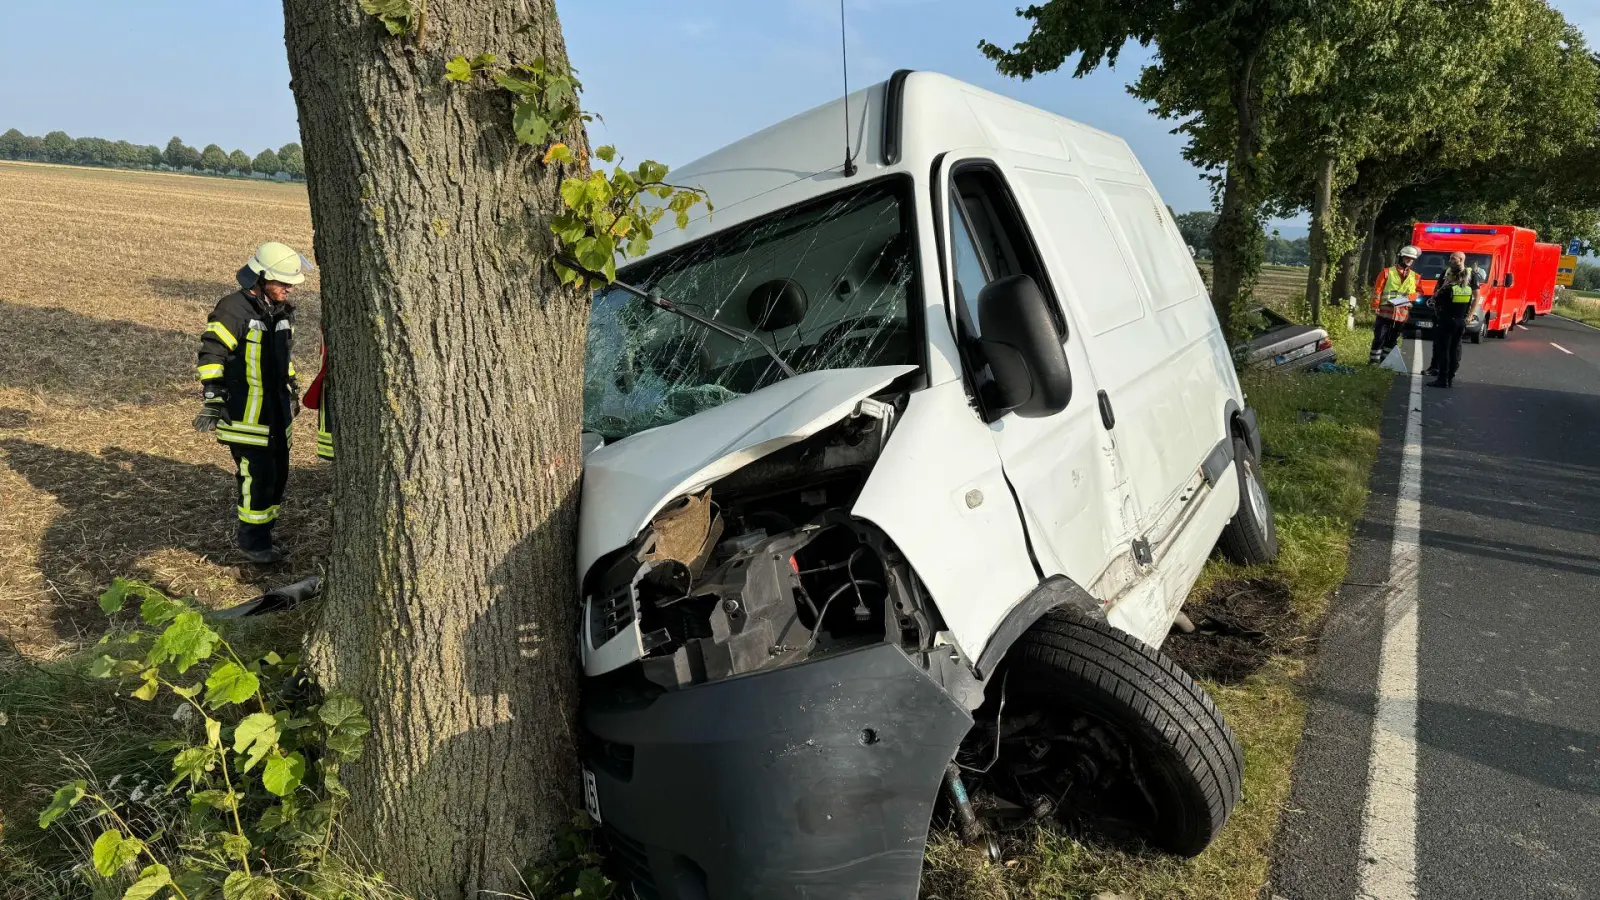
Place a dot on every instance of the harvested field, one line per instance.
(110, 280)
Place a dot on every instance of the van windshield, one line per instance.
(827, 284)
(1432, 263)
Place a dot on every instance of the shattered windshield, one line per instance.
(827, 284)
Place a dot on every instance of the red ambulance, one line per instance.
(1502, 253)
(1542, 281)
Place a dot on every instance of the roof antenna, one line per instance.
(844, 56)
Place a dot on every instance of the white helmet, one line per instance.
(1409, 252)
(279, 262)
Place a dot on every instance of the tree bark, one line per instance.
(1236, 242)
(456, 366)
(1320, 202)
(1345, 280)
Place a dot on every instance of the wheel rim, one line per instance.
(1258, 496)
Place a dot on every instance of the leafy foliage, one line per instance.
(399, 17)
(571, 870)
(606, 215)
(259, 766)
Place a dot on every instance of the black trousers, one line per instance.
(1448, 327)
(1385, 334)
(261, 473)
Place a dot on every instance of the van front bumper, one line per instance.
(813, 780)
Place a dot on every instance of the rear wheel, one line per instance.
(1251, 539)
(1528, 315)
(1094, 728)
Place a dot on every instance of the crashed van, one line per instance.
(900, 467)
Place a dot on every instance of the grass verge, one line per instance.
(1321, 436)
(1584, 309)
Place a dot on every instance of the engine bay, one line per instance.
(765, 568)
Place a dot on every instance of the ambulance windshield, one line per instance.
(1432, 264)
(826, 284)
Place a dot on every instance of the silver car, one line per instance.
(1276, 342)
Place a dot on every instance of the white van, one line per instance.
(908, 465)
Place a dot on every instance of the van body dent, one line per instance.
(1013, 401)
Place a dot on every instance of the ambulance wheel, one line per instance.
(1091, 726)
(1528, 315)
(1251, 539)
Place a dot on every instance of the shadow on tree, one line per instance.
(121, 507)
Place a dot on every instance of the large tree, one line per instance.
(456, 369)
(239, 161)
(1215, 63)
(214, 159)
(266, 163)
(293, 160)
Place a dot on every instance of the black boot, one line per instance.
(1440, 382)
(255, 544)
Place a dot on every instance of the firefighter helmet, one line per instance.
(1409, 252)
(279, 262)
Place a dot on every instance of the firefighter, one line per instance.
(247, 377)
(318, 398)
(1455, 301)
(1392, 297)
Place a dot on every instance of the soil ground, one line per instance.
(110, 278)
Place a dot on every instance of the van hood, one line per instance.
(626, 483)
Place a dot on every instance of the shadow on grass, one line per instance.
(121, 508)
(92, 360)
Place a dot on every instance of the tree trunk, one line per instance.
(456, 367)
(1319, 236)
(1237, 241)
(1345, 283)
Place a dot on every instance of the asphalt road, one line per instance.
(1507, 650)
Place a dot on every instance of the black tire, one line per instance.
(1251, 539)
(1528, 315)
(1477, 335)
(1134, 751)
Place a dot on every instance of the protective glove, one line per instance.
(215, 410)
(294, 399)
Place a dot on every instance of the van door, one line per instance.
(1063, 469)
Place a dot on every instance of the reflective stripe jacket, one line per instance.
(1391, 286)
(247, 353)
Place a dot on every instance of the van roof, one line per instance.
(899, 125)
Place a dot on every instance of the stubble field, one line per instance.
(109, 278)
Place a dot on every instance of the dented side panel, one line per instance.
(939, 493)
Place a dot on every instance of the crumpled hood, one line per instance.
(626, 483)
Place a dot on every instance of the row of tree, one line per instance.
(1196, 228)
(1371, 114)
(59, 147)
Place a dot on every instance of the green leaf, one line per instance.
(216, 799)
(255, 736)
(151, 879)
(240, 886)
(458, 69)
(272, 819)
(346, 745)
(516, 85)
(157, 608)
(530, 126)
(592, 884)
(569, 228)
(607, 153)
(650, 171)
(573, 192)
(192, 763)
(483, 59)
(236, 845)
(147, 691)
(638, 245)
(567, 275)
(187, 693)
(213, 733)
(230, 683)
(185, 642)
(338, 709)
(272, 658)
(112, 851)
(283, 774)
(102, 667)
(558, 153)
(111, 601)
(66, 797)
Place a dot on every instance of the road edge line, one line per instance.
(1389, 819)
(1573, 321)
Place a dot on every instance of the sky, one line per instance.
(700, 73)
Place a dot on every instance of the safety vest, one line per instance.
(1461, 293)
(1392, 287)
(248, 350)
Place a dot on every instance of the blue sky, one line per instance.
(703, 72)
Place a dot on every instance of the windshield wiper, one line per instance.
(660, 302)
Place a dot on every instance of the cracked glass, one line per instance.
(827, 284)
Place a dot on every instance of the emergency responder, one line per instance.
(1392, 297)
(1455, 300)
(247, 377)
(317, 398)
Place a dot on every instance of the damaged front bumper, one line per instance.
(813, 780)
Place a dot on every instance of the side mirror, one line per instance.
(1025, 355)
(1510, 278)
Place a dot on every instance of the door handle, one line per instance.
(1106, 415)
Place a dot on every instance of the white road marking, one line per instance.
(1561, 348)
(1522, 326)
(1389, 822)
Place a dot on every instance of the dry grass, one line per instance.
(109, 281)
(1574, 305)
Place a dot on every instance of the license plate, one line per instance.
(591, 796)
(1294, 354)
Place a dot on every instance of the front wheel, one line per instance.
(1251, 539)
(1091, 726)
(1477, 335)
